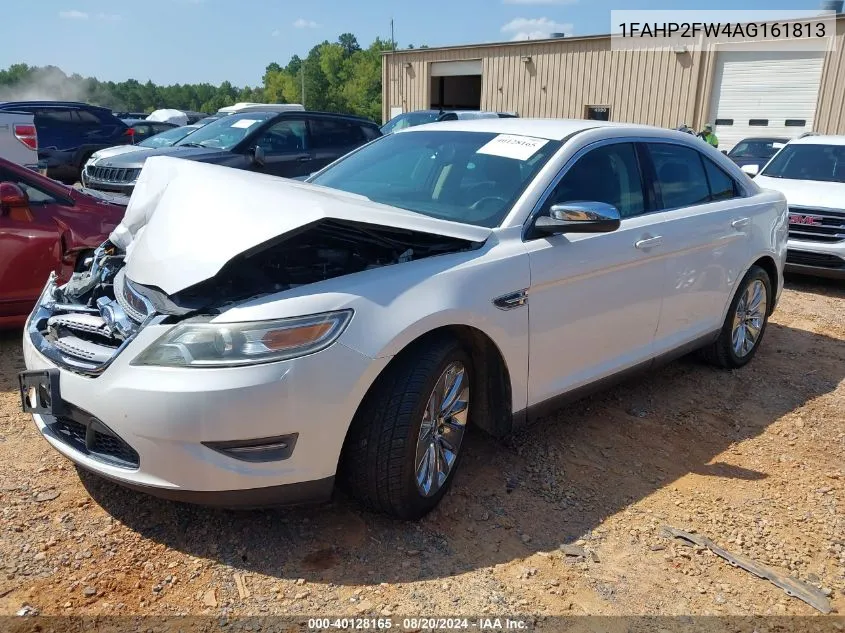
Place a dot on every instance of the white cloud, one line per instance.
(535, 28)
(73, 14)
(302, 23)
(539, 1)
(109, 17)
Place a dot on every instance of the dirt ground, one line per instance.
(752, 459)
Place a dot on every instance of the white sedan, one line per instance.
(246, 340)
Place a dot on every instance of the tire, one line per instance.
(379, 463)
(723, 352)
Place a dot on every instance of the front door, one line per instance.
(595, 299)
(30, 248)
(286, 149)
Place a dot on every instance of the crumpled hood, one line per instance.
(185, 219)
(807, 193)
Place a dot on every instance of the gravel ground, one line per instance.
(752, 459)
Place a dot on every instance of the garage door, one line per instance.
(764, 93)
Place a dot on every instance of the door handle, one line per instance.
(649, 242)
(741, 223)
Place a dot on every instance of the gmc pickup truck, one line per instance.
(19, 139)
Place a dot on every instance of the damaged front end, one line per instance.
(84, 324)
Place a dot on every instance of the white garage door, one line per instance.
(764, 93)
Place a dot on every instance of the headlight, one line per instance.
(193, 344)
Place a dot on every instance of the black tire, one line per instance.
(377, 467)
(721, 353)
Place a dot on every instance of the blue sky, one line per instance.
(187, 41)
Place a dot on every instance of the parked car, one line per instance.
(162, 139)
(420, 117)
(19, 138)
(262, 337)
(290, 144)
(69, 132)
(45, 226)
(247, 106)
(142, 130)
(756, 150)
(810, 172)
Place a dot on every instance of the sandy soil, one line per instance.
(752, 459)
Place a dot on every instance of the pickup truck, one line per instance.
(19, 139)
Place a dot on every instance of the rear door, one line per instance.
(705, 227)
(332, 138)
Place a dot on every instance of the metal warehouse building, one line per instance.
(745, 93)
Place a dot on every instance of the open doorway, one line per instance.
(456, 93)
(456, 85)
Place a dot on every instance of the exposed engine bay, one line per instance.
(84, 324)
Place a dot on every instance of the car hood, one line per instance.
(806, 193)
(136, 158)
(110, 152)
(186, 220)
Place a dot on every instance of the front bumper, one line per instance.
(818, 259)
(165, 415)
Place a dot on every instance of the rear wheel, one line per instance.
(745, 322)
(404, 444)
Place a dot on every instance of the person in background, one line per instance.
(708, 136)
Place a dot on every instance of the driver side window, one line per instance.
(609, 174)
(285, 137)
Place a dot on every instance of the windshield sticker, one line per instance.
(513, 146)
(244, 123)
(778, 145)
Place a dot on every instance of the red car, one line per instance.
(45, 226)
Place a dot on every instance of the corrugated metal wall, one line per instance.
(562, 78)
(566, 75)
(830, 113)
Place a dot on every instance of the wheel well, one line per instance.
(493, 411)
(768, 264)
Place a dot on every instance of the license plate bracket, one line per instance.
(40, 392)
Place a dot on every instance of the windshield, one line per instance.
(409, 119)
(167, 138)
(824, 163)
(756, 149)
(226, 132)
(469, 177)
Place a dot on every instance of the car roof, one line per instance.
(53, 104)
(818, 139)
(554, 129)
(776, 139)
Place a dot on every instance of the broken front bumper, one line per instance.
(173, 418)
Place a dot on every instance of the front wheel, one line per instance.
(745, 323)
(404, 444)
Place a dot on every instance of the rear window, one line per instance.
(335, 133)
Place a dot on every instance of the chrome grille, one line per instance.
(816, 225)
(112, 174)
(134, 306)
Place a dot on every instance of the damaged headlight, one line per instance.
(235, 344)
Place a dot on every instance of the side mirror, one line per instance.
(725, 152)
(751, 170)
(258, 155)
(12, 198)
(578, 217)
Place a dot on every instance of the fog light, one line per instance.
(265, 449)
